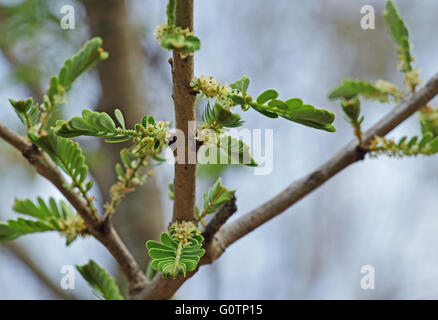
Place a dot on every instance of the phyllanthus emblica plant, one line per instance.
(181, 247)
(175, 38)
(351, 90)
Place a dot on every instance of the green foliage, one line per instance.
(293, 110)
(119, 116)
(130, 176)
(400, 34)
(220, 116)
(427, 145)
(350, 88)
(429, 120)
(37, 117)
(175, 255)
(171, 12)
(173, 37)
(98, 124)
(149, 136)
(100, 280)
(86, 58)
(22, 20)
(239, 93)
(223, 149)
(175, 41)
(351, 110)
(17, 228)
(266, 103)
(236, 151)
(210, 170)
(27, 111)
(66, 154)
(51, 216)
(69, 157)
(216, 197)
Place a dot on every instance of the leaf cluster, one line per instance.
(100, 280)
(51, 216)
(172, 258)
(426, 145)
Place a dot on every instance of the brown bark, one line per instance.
(184, 100)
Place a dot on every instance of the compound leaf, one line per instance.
(100, 280)
(216, 197)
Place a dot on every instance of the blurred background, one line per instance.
(379, 212)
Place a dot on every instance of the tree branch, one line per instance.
(184, 100)
(348, 155)
(102, 231)
(218, 220)
(351, 153)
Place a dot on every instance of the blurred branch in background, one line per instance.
(33, 81)
(18, 251)
(122, 81)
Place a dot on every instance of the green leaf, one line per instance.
(425, 139)
(17, 228)
(350, 88)
(175, 41)
(294, 110)
(119, 116)
(429, 120)
(216, 197)
(49, 217)
(172, 258)
(67, 155)
(226, 118)
(400, 34)
(171, 12)
(221, 116)
(73, 67)
(264, 111)
(98, 124)
(266, 96)
(236, 150)
(191, 44)
(27, 112)
(239, 94)
(427, 145)
(86, 58)
(351, 109)
(100, 280)
(242, 85)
